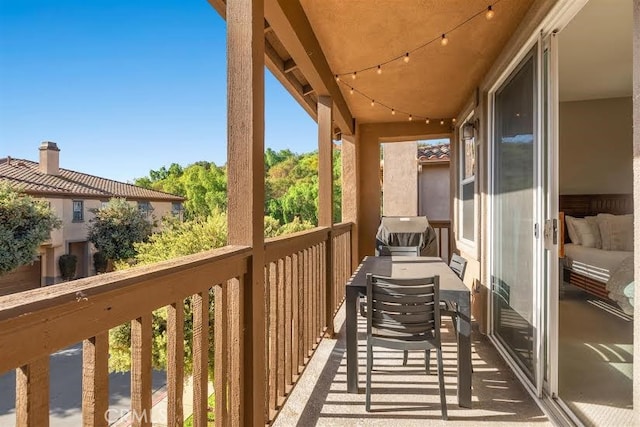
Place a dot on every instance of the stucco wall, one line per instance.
(399, 179)
(434, 191)
(596, 146)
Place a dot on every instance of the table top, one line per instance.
(408, 267)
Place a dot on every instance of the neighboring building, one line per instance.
(73, 196)
(416, 180)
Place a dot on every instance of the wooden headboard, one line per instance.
(581, 205)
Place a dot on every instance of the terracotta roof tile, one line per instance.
(24, 175)
(433, 153)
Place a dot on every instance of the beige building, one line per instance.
(73, 196)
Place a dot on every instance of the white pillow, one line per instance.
(593, 221)
(573, 234)
(587, 233)
(616, 232)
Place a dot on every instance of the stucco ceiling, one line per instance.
(596, 52)
(438, 80)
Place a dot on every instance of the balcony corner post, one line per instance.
(325, 199)
(245, 168)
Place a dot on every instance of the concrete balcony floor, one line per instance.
(405, 395)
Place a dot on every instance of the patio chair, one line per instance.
(404, 314)
(447, 308)
(390, 251)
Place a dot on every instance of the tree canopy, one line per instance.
(24, 224)
(116, 227)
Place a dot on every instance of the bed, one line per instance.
(606, 273)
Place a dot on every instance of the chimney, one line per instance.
(49, 158)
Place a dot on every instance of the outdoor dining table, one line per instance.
(451, 289)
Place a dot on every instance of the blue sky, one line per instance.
(125, 86)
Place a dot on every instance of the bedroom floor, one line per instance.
(596, 358)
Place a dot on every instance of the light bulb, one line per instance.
(393, 112)
(373, 102)
(406, 57)
(337, 78)
(351, 91)
(444, 40)
(441, 122)
(379, 71)
(353, 76)
(453, 120)
(410, 117)
(427, 121)
(490, 13)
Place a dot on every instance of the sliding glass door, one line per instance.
(515, 224)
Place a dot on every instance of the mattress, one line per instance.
(591, 262)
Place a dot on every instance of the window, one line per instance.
(103, 204)
(466, 209)
(176, 209)
(145, 208)
(78, 210)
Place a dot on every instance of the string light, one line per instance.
(453, 120)
(337, 78)
(394, 111)
(488, 12)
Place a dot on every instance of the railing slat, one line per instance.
(302, 309)
(288, 376)
(235, 319)
(32, 394)
(221, 360)
(95, 380)
(141, 337)
(273, 342)
(200, 305)
(281, 332)
(175, 363)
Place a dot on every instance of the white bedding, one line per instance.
(595, 263)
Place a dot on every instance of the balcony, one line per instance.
(304, 276)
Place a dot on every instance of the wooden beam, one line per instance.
(290, 65)
(32, 394)
(307, 90)
(245, 154)
(310, 51)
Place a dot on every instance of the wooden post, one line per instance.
(141, 388)
(350, 192)
(95, 380)
(32, 394)
(325, 196)
(245, 163)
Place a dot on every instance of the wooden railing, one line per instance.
(296, 300)
(445, 238)
(37, 323)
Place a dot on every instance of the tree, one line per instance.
(24, 224)
(116, 227)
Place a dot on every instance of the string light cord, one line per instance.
(394, 111)
(488, 12)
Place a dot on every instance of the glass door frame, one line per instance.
(535, 387)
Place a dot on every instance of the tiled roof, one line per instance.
(430, 153)
(24, 175)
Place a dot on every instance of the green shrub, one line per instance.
(67, 264)
(100, 262)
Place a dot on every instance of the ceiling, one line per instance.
(438, 80)
(596, 52)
